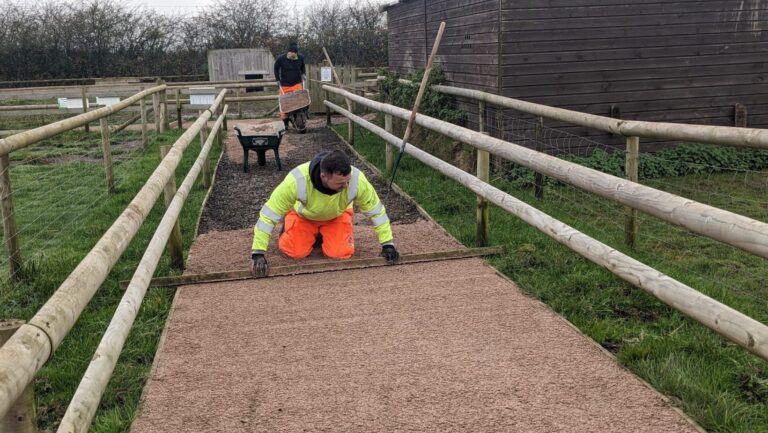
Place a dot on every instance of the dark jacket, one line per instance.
(288, 72)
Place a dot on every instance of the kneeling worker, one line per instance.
(317, 197)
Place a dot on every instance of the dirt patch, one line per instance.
(237, 196)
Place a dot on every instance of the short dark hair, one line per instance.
(293, 47)
(336, 162)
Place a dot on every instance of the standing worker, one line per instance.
(316, 198)
(290, 71)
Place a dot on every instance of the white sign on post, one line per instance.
(107, 100)
(201, 97)
(71, 104)
(326, 74)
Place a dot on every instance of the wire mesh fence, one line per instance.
(59, 182)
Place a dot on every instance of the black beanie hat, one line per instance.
(293, 47)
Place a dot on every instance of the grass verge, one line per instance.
(720, 385)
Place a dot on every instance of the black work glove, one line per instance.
(390, 253)
(259, 266)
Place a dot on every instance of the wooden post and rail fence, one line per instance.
(32, 136)
(633, 130)
(725, 226)
(82, 407)
(24, 138)
(32, 344)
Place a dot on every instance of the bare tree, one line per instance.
(100, 38)
(242, 23)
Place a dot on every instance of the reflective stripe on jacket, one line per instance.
(296, 191)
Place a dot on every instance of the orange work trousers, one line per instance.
(299, 235)
(289, 89)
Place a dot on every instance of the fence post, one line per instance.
(240, 104)
(224, 121)
(163, 108)
(174, 241)
(538, 183)
(390, 149)
(156, 111)
(178, 107)
(347, 76)
(107, 152)
(20, 418)
(143, 107)
(206, 178)
(327, 110)
(353, 85)
(84, 93)
(483, 173)
(632, 163)
(350, 123)
(9, 219)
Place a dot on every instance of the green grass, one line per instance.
(720, 385)
(28, 101)
(81, 213)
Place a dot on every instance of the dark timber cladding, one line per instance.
(469, 50)
(685, 61)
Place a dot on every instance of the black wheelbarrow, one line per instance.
(261, 143)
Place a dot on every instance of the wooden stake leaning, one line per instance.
(311, 268)
(416, 104)
(350, 124)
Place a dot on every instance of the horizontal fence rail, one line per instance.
(82, 408)
(733, 136)
(26, 138)
(726, 321)
(25, 353)
(710, 134)
(727, 227)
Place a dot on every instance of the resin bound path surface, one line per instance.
(433, 347)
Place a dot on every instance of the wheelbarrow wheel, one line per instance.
(300, 121)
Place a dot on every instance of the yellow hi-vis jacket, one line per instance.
(296, 191)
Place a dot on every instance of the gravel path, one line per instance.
(437, 347)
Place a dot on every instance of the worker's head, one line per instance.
(335, 170)
(293, 51)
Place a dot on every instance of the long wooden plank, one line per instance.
(514, 46)
(659, 19)
(630, 9)
(512, 33)
(740, 72)
(312, 268)
(754, 50)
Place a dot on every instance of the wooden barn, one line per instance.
(240, 64)
(686, 61)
